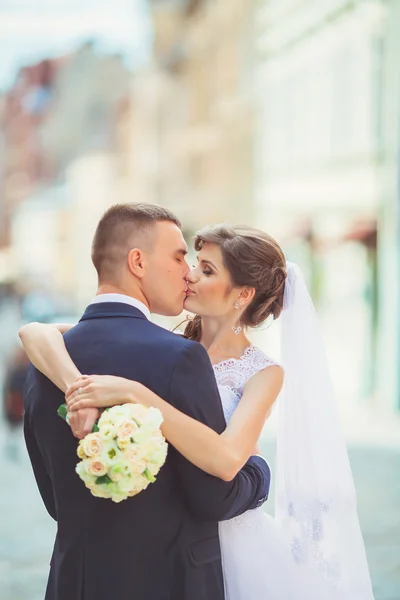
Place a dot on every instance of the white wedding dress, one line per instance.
(258, 559)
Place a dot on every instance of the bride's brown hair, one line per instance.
(253, 259)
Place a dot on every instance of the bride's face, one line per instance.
(210, 289)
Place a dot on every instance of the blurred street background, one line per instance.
(282, 114)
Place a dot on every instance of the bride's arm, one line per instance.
(220, 455)
(44, 345)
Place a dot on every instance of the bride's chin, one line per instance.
(189, 304)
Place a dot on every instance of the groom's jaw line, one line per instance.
(164, 281)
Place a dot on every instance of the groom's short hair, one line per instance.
(121, 228)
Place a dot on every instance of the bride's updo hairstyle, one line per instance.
(253, 259)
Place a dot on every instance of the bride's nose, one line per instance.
(192, 277)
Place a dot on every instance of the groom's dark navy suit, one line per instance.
(163, 543)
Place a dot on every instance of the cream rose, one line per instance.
(93, 444)
(108, 431)
(97, 467)
(133, 453)
(123, 443)
(120, 471)
(80, 451)
(153, 419)
(105, 419)
(139, 483)
(123, 411)
(91, 485)
(81, 469)
(139, 412)
(101, 492)
(126, 429)
(138, 466)
(118, 497)
(153, 468)
(159, 454)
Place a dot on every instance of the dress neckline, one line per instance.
(232, 361)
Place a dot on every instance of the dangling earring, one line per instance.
(238, 329)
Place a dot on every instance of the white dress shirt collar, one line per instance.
(124, 300)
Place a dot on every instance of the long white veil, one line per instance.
(315, 495)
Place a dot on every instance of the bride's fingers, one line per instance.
(72, 404)
(84, 403)
(80, 383)
(83, 393)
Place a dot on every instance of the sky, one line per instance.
(33, 29)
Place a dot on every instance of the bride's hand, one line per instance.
(100, 391)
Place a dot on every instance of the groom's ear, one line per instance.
(136, 262)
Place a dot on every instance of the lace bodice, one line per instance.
(232, 375)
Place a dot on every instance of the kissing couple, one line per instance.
(199, 532)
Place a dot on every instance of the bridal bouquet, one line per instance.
(124, 453)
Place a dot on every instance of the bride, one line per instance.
(313, 548)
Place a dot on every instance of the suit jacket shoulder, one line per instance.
(174, 342)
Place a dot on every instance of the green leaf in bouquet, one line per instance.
(149, 475)
(103, 479)
(96, 428)
(62, 411)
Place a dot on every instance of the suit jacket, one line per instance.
(163, 543)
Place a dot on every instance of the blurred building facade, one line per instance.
(322, 170)
(193, 112)
(60, 138)
(24, 164)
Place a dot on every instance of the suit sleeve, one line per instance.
(194, 391)
(42, 478)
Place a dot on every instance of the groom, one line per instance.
(163, 543)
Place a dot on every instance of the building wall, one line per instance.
(389, 217)
(319, 168)
(202, 158)
(319, 98)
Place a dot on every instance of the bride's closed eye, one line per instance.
(205, 271)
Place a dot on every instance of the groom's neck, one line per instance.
(107, 288)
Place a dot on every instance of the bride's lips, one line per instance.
(190, 292)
